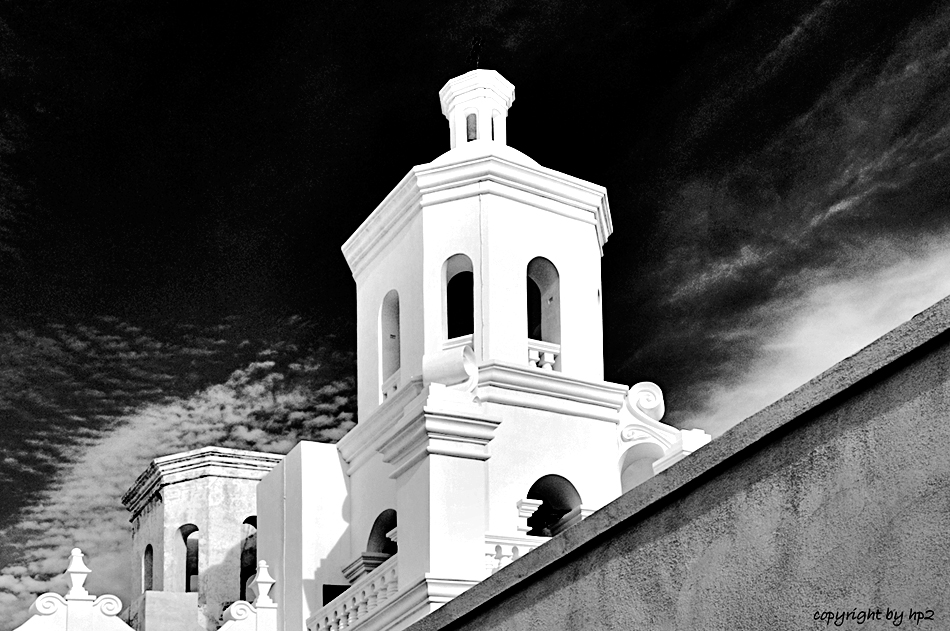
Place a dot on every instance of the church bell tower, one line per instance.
(481, 247)
(484, 423)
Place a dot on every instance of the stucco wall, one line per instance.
(835, 499)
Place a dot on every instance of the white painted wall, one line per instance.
(398, 267)
(371, 492)
(303, 519)
(531, 443)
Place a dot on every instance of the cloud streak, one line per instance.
(824, 326)
(258, 407)
(845, 201)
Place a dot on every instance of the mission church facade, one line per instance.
(485, 424)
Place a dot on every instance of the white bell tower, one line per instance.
(482, 246)
(485, 425)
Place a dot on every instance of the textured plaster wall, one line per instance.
(842, 507)
(148, 529)
(218, 507)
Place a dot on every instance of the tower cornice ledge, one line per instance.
(477, 168)
(199, 463)
(499, 382)
(505, 383)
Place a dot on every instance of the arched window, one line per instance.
(147, 568)
(534, 310)
(388, 342)
(560, 505)
(636, 467)
(459, 284)
(544, 301)
(471, 127)
(378, 542)
(189, 535)
(248, 553)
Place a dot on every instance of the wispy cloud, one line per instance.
(260, 407)
(826, 222)
(829, 323)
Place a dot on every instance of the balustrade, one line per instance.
(502, 550)
(366, 595)
(543, 355)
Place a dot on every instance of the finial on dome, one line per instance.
(476, 105)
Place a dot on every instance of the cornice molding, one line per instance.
(438, 432)
(489, 169)
(361, 442)
(191, 465)
(523, 386)
(498, 382)
(468, 85)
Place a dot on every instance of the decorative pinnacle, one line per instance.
(264, 581)
(77, 573)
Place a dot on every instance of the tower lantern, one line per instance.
(476, 105)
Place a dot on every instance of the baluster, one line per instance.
(534, 356)
(372, 596)
(351, 611)
(392, 586)
(363, 603)
(503, 559)
(547, 361)
(381, 595)
(515, 553)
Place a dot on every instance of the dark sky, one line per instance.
(176, 183)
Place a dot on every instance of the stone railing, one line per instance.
(543, 354)
(79, 610)
(368, 594)
(500, 550)
(390, 386)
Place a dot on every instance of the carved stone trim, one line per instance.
(364, 563)
(498, 170)
(198, 463)
(511, 384)
(439, 432)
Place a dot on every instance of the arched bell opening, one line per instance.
(248, 554)
(378, 541)
(148, 568)
(389, 345)
(560, 505)
(459, 297)
(189, 537)
(543, 309)
(471, 127)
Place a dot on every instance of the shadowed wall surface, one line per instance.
(834, 499)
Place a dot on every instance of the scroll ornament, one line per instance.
(645, 403)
